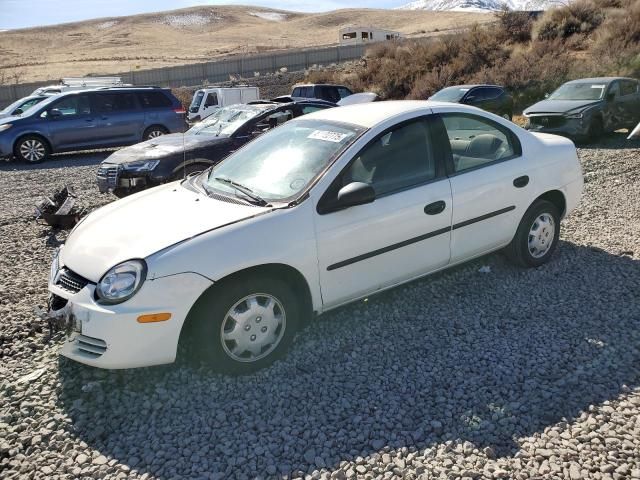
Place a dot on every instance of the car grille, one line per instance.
(92, 347)
(70, 281)
(547, 121)
(108, 174)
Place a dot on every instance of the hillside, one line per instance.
(191, 35)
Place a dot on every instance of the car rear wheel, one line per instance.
(537, 236)
(245, 324)
(32, 149)
(154, 132)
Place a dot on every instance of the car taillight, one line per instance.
(180, 110)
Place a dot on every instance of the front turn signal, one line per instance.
(154, 318)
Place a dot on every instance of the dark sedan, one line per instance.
(585, 109)
(492, 98)
(173, 157)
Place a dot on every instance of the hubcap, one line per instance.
(506, 116)
(541, 235)
(253, 328)
(32, 150)
(155, 133)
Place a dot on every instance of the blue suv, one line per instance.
(80, 120)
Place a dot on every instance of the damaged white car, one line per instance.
(319, 212)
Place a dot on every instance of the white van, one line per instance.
(208, 100)
(80, 83)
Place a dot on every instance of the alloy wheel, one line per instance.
(32, 150)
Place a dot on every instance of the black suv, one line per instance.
(492, 98)
(330, 93)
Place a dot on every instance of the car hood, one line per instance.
(560, 106)
(163, 146)
(143, 224)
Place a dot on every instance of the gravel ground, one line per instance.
(470, 373)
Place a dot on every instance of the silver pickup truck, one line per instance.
(585, 109)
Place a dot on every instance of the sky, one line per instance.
(33, 13)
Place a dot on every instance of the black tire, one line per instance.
(210, 313)
(507, 116)
(154, 131)
(519, 251)
(32, 149)
(188, 170)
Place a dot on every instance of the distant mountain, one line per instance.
(480, 5)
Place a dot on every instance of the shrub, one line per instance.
(580, 17)
(513, 26)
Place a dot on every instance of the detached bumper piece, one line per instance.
(60, 210)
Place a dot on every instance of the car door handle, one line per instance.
(435, 208)
(521, 182)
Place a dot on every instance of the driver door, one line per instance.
(403, 234)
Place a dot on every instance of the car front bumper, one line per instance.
(559, 125)
(111, 337)
(112, 176)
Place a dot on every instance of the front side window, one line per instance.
(477, 141)
(394, 161)
(629, 87)
(212, 100)
(73, 105)
(280, 164)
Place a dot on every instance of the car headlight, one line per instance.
(121, 282)
(5, 126)
(574, 115)
(141, 166)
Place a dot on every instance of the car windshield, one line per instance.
(450, 94)
(280, 164)
(197, 100)
(226, 121)
(579, 91)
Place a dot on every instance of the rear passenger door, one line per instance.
(630, 97)
(490, 183)
(120, 119)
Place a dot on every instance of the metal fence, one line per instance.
(215, 71)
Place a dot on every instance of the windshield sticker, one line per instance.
(335, 137)
(464, 89)
(597, 86)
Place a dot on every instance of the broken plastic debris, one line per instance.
(30, 377)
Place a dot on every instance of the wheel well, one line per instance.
(557, 198)
(278, 270)
(188, 163)
(42, 137)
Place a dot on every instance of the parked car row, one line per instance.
(327, 208)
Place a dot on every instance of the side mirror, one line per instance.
(55, 113)
(356, 193)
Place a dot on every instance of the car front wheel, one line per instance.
(245, 324)
(31, 149)
(537, 236)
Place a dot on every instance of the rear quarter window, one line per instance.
(154, 100)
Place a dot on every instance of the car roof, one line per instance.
(318, 85)
(369, 115)
(600, 79)
(475, 85)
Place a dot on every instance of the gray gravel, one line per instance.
(471, 373)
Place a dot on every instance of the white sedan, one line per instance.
(324, 210)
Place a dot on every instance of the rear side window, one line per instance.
(492, 93)
(343, 92)
(154, 100)
(476, 141)
(115, 102)
(329, 93)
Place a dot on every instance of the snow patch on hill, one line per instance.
(188, 20)
(273, 16)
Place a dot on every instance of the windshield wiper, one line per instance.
(246, 190)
